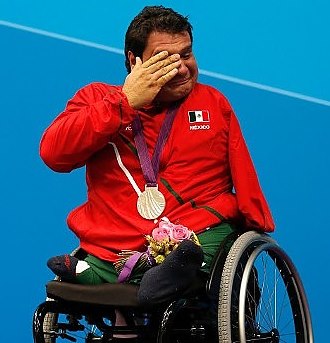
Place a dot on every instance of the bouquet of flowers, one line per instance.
(166, 237)
(162, 241)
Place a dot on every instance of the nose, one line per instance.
(182, 69)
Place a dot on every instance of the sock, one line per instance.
(63, 266)
(168, 280)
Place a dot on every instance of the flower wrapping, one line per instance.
(162, 241)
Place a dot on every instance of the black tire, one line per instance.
(52, 324)
(256, 308)
(49, 325)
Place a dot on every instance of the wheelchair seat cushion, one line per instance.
(107, 294)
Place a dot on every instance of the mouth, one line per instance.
(178, 82)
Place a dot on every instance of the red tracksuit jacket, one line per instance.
(203, 160)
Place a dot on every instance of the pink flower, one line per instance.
(178, 233)
(161, 232)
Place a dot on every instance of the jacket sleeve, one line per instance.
(91, 117)
(250, 198)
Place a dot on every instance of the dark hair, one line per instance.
(150, 19)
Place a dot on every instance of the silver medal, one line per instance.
(151, 203)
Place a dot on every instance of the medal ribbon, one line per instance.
(150, 167)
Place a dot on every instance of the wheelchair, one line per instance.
(253, 294)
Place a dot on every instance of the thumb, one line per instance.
(138, 61)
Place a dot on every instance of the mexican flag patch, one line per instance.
(202, 116)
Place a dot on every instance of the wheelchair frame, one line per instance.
(253, 294)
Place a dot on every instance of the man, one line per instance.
(160, 146)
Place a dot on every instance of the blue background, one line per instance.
(279, 44)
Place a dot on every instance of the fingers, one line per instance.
(167, 77)
(171, 68)
(160, 63)
(162, 67)
(154, 59)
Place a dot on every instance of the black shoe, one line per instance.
(63, 266)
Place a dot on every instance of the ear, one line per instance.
(131, 58)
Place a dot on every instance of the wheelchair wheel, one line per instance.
(51, 325)
(261, 297)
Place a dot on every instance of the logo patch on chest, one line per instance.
(199, 118)
(202, 116)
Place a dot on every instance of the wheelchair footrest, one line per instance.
(106, 294)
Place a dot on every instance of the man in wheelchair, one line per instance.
(176, 152)
(169, 176)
